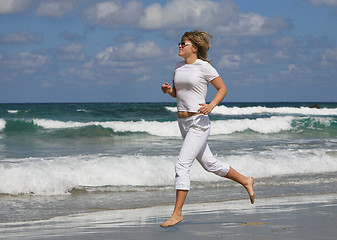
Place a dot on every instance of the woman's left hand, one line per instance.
(205, 109)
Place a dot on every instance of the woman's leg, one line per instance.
(213, 165)
(193, 144)
(177, 215)
(247, 182)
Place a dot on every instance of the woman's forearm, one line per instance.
(221, 91)
(220, 95)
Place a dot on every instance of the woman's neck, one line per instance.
(191, 59)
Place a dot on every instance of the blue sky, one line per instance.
(122, 51)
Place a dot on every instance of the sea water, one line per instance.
(58, 159)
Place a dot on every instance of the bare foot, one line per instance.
(250, 190)
(173, 220)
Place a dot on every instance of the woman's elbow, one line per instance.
(224, 91)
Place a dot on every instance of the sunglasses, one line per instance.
(183, 44)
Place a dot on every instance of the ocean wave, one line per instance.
(82, 110)
(260, 125)
(270, 125)
(12, 111)
(223, 110)
(170, 129)
(2, 124)
(165, 129)
(60, 175)
(233, 111)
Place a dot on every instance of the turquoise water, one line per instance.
(121, 154)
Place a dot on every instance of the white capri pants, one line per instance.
(195, 131)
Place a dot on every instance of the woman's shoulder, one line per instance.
(202, 63)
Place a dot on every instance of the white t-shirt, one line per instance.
(191, 83)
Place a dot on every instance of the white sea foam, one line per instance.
(82, 110)
(260, 125)
(285, 162)
(223, 110)
(56, 176)
(2, 124)
(171, 109)
(12, 111)
(155, 128)
(55, 124)
(170, 129)
(279, 110)
(164, 129)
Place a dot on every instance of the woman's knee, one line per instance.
(216, 167)
(182, 166)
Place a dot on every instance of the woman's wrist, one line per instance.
(212, 105)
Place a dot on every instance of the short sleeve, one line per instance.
(210, 73)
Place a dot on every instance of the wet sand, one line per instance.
(285, 217)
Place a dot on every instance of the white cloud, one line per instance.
(27, 59)
(129, 60)
(143, 78)
(55, 9)
(222, 17)
(329, 58)
(23, 60)
(21, 37)
(114, 13)
(247, 24)
(285, 41)
(281, 55)
(330, 54)
(49, 8)
(105, 54)
(89, 64)
(130, 51)
(177, 14)
(73, 48)
(13, 6)
(324, 2)
(230, 61)
(292, 69)
(73, 52)
(105, 9)
(24, 63)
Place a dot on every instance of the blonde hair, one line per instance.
(199, 39)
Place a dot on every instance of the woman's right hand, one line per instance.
(166, 88)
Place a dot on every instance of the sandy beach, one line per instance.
(285, 217)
